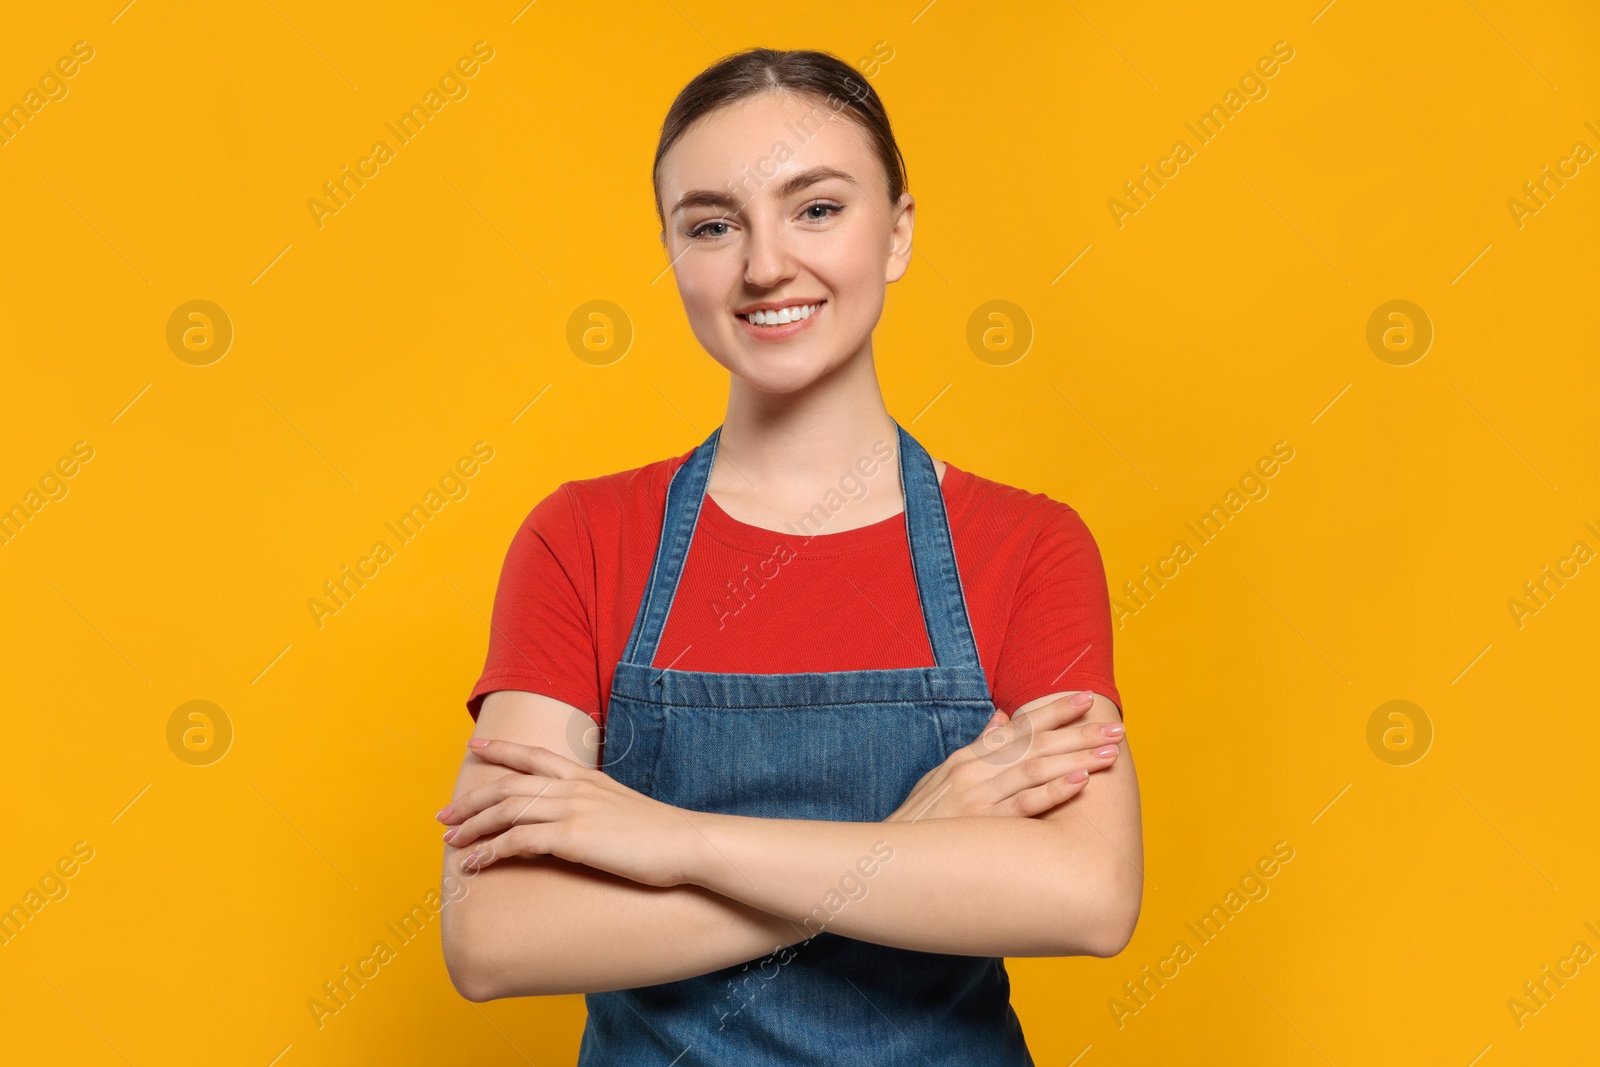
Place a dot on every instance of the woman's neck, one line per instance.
(782, 456)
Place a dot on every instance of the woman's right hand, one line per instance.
(1018, 767)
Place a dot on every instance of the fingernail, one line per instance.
(444, 813)
(1083, 699)
(1107, 751)
(448, 834)
(477, 742)
(1077, 776)
(470, 860)
(1113, 729)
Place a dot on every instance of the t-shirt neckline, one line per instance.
(805, 540)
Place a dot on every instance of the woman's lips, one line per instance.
(780, 333)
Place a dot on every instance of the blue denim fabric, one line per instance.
(843, 746)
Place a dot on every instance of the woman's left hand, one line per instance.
(551, 805)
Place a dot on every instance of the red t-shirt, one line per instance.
(577, 568)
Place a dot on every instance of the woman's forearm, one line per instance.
(545, 925)
(969, 885)
(542, 926)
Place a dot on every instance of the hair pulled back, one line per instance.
(806, 73)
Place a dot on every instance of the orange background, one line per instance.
(1167, 355)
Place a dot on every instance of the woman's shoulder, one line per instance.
(607, 499)
(1016, 536)
(988, 503)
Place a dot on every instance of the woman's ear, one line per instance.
(905, 217)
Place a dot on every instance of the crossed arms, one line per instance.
(1067, 881)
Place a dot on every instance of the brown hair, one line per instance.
(807, 73)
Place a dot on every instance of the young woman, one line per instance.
(808, 835)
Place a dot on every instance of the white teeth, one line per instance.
(783, 315)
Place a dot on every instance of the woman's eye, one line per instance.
(700, 230)
(712, 229)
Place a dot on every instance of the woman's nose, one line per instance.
(767, 257)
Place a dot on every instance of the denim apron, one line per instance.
(843, 746)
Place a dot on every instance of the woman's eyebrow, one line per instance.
(789, 186)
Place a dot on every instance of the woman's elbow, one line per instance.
(464, 964)
(1114, 934)
(482, 967)
(1112, 913)
(473, 991)
(1119, 916)
(471, 985)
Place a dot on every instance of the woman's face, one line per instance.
(779, 201)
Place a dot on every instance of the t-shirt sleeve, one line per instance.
(1059, 635)
(541, 637)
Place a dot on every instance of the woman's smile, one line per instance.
(779, 321)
